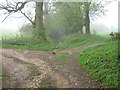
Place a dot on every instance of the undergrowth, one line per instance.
(102, 63)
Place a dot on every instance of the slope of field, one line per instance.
(102, 63)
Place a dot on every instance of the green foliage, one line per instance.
(55, 29)
(101, 62)
(75, 40)
(72, 16)
(62, 60)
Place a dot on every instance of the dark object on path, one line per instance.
(115, 36)
(54, 51)
(111, 34)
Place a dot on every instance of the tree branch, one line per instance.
(13, 9)
(27, 17)
(6, 17)
(9, 7)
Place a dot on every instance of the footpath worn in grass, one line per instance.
(76, 40)
(102, 63)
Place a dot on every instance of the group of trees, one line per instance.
(57, 18)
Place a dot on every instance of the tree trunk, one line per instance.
(81, 29)
(39, 29)
(87, 19)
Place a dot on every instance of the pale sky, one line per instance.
(110, 20)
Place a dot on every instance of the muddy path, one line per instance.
(37, 69)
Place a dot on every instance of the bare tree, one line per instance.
(11, 6)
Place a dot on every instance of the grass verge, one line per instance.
(102, 64)
(63, 59)
(26, 43)
(78, 39)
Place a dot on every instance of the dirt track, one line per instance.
(31, 68)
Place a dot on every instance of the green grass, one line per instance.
(76, 40)
(40, 46)
(19, 42)
(63, 56)
(102, 64)
(62, 60)
(31, 67)
(45, 85)
(1, 75)
(71, 41)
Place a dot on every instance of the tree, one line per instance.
(87, 18)
(92, 9)
(78, 14)
(40, 30)
(12, 7)
(72, 14)
(69, 16)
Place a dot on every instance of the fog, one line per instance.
(102, 29)
(103, 24)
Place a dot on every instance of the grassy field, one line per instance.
(78, 39)
(102, 63)
(19, 42)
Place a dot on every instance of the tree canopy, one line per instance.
(56, 17)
